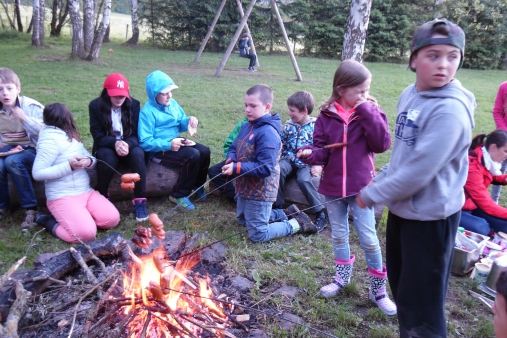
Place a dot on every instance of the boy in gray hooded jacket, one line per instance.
(423, 186)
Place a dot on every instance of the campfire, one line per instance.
(160, 301)
(151, 286)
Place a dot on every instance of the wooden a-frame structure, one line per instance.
(243, 24)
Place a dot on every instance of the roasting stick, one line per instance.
(170, 212)
(256, 310)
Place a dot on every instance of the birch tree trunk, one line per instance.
(355, 31)
(101, 30)
(35, 18)
(135, 25)
(17, 14)
(88, 16)
(60, 11)
(42, 17)
(77, 30)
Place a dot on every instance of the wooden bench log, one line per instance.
(159, 182)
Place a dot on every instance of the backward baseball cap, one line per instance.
(423, 37)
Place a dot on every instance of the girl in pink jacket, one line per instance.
(500, 116)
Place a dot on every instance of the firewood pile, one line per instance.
(166, 287)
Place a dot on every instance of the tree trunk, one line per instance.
(135, 25)
(99, 35)
(35, 23)
(356, 29)
(5, 5)
(88, 16)
(106, 35)
(30, 27)
(42, 16)
(17, 14)
(77, 30)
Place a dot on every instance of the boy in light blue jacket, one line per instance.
(160, 121)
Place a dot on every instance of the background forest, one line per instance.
(315, 27)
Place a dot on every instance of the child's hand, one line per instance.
(360, 201)
(193, 122)
(122, 148)
(303, 153)
(19, 113)
(227, 169)
(176, 144)
(316, 170)
(79, 162)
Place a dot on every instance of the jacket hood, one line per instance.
(273, 120)
(155, 83)
(454, 90)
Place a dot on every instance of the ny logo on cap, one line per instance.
(120, 84)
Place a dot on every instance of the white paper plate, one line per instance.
(502, 234)
(493, 246)
(189, 143)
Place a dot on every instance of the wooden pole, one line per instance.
(282, 27)
(210, 30)
(235, 38)
(240, 7)
(127, 33)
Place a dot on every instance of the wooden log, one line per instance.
(60, 265)
(159, 181)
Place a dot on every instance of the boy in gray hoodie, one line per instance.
(423, 185)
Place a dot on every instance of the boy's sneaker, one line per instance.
(201, 194)
(29, 222)
(321, 221)
(183, 202)
(140, 209)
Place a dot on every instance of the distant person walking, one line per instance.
(244, 51)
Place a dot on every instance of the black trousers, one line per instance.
(418, 259)
(193, 164)
(253, 59)
(223, 182)
(135, 161)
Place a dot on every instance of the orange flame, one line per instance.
(137, 286)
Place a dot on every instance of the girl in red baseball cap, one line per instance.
(113, 125)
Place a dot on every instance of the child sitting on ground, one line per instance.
(160, 121)
(480, 213)
(298, 132)
(223, 183)
(253, 156)
(20, 124)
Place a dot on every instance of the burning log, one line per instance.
(60, 265)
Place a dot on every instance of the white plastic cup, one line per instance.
(481, 272)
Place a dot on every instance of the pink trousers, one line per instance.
(81, 215)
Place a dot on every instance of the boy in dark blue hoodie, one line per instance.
(254, 156)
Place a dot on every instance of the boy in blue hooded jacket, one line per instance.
(253, 157)
(160, 121)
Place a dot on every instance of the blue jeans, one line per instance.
(496, 188)
(256, 215)
(364, 221)
(19, 166)
(480, 222)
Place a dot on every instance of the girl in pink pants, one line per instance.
(76, 209)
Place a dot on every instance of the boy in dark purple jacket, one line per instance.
(254, 155)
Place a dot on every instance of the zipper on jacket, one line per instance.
(344, 161)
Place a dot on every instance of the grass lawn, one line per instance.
(48, 75)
